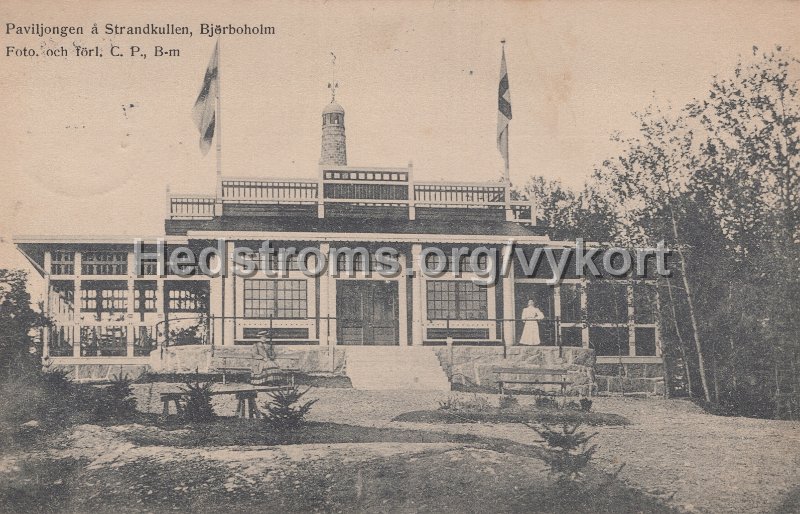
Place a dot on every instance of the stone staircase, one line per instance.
(395, 368)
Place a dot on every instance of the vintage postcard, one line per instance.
(402, 256)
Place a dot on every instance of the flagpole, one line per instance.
(507, 174)
(218, 122)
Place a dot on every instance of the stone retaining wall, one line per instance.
(472, 367)
(646, 378)
(202, 359)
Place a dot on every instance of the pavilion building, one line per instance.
(106, 316)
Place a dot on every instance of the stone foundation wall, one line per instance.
(202, 359)
(646, 378)
(472, 367)
(98, 372)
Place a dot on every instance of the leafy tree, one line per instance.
(586, 214)
(649, 183)
(749, 173)
(18, 324)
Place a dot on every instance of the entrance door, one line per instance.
(367, 312)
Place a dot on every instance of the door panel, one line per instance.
(367, 312)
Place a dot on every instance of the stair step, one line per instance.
(395, 368)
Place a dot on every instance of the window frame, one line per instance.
(452, 304)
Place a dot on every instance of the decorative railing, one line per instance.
(373, 186)
(191, 207)
(270, 191)
(459, 195)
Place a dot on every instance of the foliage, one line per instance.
(197, 407)
(586, 404)
(545, 402)
(116, 400)
(284, 411)
(19, 351)
(718, 180)
(586, 214)
(570, 453)
(193, 334)
(458, 403)
(508, 402)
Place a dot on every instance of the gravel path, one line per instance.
(672, 449)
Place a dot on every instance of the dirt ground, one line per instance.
(672, 451)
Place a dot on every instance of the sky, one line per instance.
(418, 81)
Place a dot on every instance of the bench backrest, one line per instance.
(530, 371)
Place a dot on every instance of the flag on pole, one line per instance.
(503, 112)
(204, 112)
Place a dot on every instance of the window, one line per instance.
(456, 299)
(149, 267)
(104, 263)
(275, 299)
(570, 303)
(433, 262)
(644, 303)
(105, 341)
(62, 297)
(144, 297)
(62, 263)
(186, 300)
(607, 302)
(645, 341)
(355, 262)
(607, 341)
(104, 297)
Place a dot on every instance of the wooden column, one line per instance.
(631, 327)
(76, 346)
(584, 317)
(402, 303)
(326, 337)
(131, 307)
(657, 321)
(48, 292)
(229, 292)
(215, 308)
(509, 308)
(557, 313)
(418, 282)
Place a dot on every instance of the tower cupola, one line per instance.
(334, 148)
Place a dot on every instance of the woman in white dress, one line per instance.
(530, 333)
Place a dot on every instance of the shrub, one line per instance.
(586, 404)
(197, 407)
(570, 450)
(455, 403)
(508, 402)
(116, 401)
(545, 402)
(284, 411)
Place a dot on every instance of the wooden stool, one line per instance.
(171, 397)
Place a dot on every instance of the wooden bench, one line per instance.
(246, 406)
(532, 376)
(233, 369)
